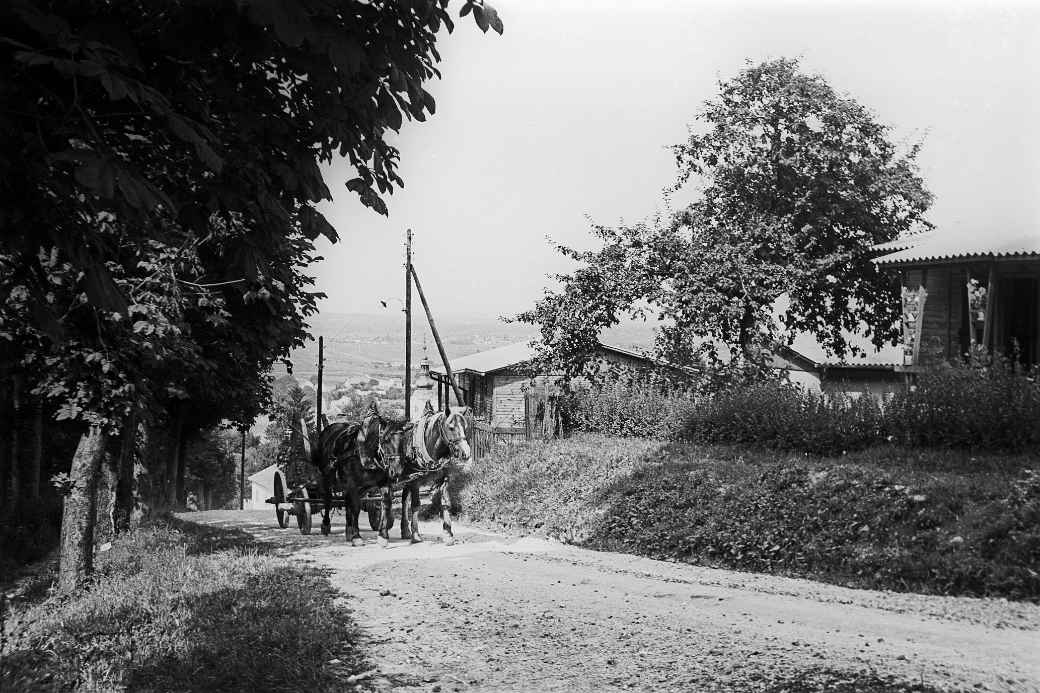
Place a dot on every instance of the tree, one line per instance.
(284, 434)
(797, 183)
(159, 168)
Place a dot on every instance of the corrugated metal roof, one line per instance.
(903, 242)
(510, 355)
(494, 359)
(954, 244)
(806, 345)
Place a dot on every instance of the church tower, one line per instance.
(422, 390)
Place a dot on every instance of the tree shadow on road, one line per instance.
(202, 608)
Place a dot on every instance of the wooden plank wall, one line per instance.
(939, 330)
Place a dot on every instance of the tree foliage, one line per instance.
(163, 167)
(795, 184)
(159, 171)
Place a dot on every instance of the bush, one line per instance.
(882, 519)
(996, 407)
(781, 416)
(626, 409)
(990, 407)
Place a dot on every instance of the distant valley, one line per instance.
(372, 345)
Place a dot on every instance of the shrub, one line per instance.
(781, 416)
(992, 406)
(627, 409)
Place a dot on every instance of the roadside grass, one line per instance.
(180, 607)
(930, 521)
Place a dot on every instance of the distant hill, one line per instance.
(359, 344)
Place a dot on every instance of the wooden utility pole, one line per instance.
(242, 474)
(437, 339)
(321, 363)
(408, 328)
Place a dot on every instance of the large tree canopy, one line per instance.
(794, 185)
(159, 171)
(177, 146)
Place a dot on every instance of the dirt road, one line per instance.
(495, 613)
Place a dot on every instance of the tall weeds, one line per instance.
(987, 406)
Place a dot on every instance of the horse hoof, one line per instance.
(383, 542)
(449, 540)
(416, 539)
(357, 541)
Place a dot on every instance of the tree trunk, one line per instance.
(123, 496)
(36, 463)
(5, 442)
(182, 452)
(747, 323)
(15, 461)
(173, 457)
(77, 521)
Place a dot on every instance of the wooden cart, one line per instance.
(306, 499)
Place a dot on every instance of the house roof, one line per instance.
(961, 244)
(264, 474)
(485, 362)
(908, 240)
(887, 356)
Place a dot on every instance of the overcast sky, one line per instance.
(569, 115)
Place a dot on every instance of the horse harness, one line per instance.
(422, 457)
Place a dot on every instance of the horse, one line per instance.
(436, 441)
(379, 453)
(336, 444)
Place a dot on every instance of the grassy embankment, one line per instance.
(182, 608)
(932, 521)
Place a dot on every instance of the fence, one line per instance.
(486, 438)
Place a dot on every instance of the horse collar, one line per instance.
(419, 439)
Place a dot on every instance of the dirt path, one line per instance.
(501, 613)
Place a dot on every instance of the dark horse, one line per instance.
(337, 446)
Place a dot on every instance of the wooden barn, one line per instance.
(497, 386)
(961, 289)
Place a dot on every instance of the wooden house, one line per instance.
(961, 290)
(496, 383)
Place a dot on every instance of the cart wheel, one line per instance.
(279, 498)
(302, 510)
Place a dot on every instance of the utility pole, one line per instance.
(321, 363)
(437, 339)
(242, 474)
(408, 328)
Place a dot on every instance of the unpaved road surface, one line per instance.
(496, 613)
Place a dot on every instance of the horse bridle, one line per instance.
(454, 444)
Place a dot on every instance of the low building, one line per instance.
(962, 289)
(261, 487)
(872, 371)
(496, 383)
